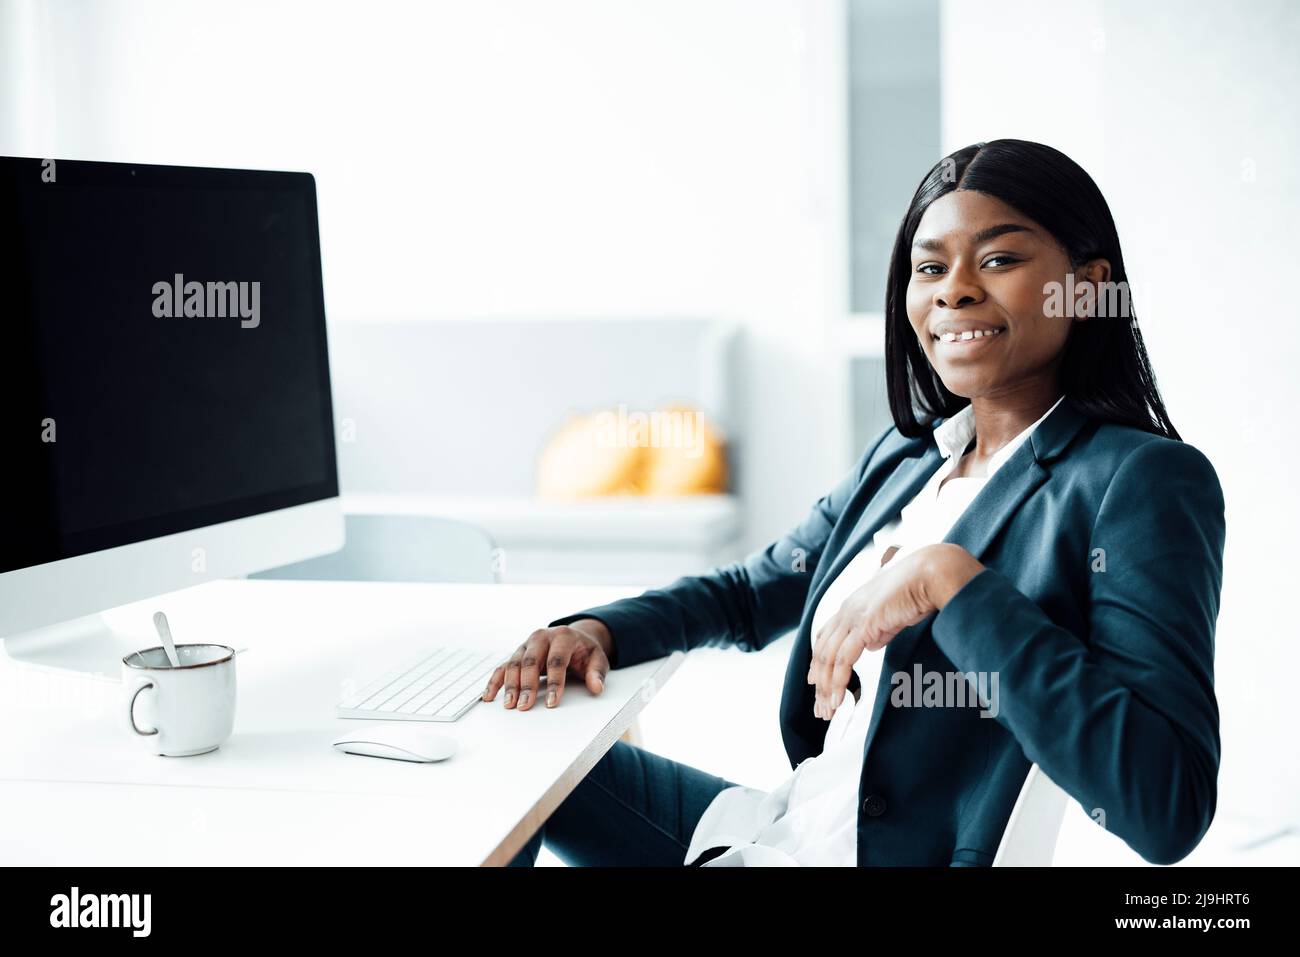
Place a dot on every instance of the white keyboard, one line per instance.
(436, 686)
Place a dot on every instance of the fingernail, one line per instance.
(550, 699)
(523, 698)
(510, 699)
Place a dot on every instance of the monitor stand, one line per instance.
(86, 646)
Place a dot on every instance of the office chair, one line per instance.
(401, 548)
(1035, 823)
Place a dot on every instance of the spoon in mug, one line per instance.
(165, 633)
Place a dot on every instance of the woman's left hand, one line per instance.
(899, 595)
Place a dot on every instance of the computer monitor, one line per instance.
(165, 413)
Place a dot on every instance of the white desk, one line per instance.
(77, 789)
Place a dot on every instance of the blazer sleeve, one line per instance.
(746, 604)
(1126, 722)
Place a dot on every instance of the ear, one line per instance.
(1094, 270)
(1087, 280)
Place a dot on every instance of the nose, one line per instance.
(963, 300)
(959, 291)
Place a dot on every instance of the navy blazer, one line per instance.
(1103, 547)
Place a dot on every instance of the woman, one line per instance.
(1040, 535)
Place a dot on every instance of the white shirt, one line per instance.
(811, 820)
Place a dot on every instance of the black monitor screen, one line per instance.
(163, 365)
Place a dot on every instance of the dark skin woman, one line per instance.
(971, 282)
(1008, 327)
(978, 265)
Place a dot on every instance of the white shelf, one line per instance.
(688, 521)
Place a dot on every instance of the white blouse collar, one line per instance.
(953, 434)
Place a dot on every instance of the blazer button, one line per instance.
(874, 805)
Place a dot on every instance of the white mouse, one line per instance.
(403, 742)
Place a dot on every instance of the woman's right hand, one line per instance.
(581, 647)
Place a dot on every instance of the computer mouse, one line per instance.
(401, 742)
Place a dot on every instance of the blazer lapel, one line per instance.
(901, 488)
(979, 524)
(802, 732)
(1017, 479)
(1000, 498)
(1013, 483)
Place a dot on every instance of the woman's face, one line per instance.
(980, 267)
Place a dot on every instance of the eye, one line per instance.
(924, 267)
(1001, 259)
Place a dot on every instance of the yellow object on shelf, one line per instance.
(673, 450)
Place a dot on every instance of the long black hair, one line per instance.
(1105, 370)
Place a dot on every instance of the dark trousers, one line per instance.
(634, 808)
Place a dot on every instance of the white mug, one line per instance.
(186, 709)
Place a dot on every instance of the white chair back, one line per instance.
(401, 548)
(1035, 823)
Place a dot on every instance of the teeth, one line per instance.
(967, 335)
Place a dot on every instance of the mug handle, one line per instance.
(141, 685)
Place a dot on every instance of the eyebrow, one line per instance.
(983, 236)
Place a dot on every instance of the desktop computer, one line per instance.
(165, 413)
(165, 409)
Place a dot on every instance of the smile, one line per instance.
(969, 336)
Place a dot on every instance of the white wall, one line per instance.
(1186, 115)
(588, 158)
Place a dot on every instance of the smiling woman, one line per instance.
(993, 234)
(1003, 526)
